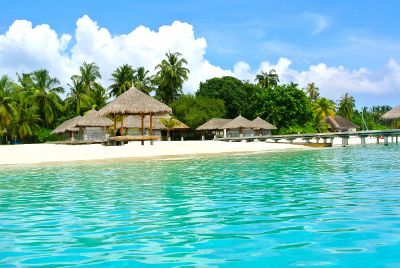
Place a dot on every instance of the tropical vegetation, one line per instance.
(35, 103)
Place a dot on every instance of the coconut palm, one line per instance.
(7, 104)
(122, 79)
(77, 97)
(142, 80)
(346, 106)
(26, 121)
(98, 97)
(43, 92)
(267, 79)
(171, 74)
(169, 123)
(89, 74)
(322, 108)
(312, 91)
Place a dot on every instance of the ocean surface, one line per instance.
(336, 207)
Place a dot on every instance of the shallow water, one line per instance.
(332, 207)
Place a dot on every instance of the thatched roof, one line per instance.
(135, 121)
(93, 118)
(239, 122)
(340, 123)
(134, 101)
(69, 125)
(262, 124)
(392, 114)
(214, 124)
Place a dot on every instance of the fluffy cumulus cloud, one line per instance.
(25, 47)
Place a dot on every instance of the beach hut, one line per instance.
(215, 126)
(262, 127)
(69, 127)
(178, 127)
(135, 102)
(340, 124)
(239, 127)
(133, 124)
(94, 126)
(392, 114)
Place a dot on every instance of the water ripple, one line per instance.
(333, 207)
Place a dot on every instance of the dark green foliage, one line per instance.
(196, 110)
(370, 118)
(285, 106)
(239, 97)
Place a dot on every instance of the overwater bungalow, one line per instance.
(262, 127)
(340, 124)
(94, 127)
(68, 127)
(135, 102)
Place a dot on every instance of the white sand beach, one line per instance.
(47, 153)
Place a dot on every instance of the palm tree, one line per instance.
(98, 97)
(26, 121)
(267, 79)
(346, 106)
(169, 123)
(122, 79)
(77, 97)
(89, 74)
(322, 108)
(312, 91)
(142, 80)
(44, 94)
(171, 73)
(7, 104)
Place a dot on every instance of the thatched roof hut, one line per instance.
(339, 123)
(214, 124)
(134, 101)
(262, 124)
(69, 125)
(135, 121)
(239, 123)
(93, 118)
(392, 114)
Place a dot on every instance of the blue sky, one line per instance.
(352, 34)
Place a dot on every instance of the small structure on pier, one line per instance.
(340, 124)
(68, 127)
(135, 102)
(262, 127)
(94, 126)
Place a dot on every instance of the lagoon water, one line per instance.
(335, 207)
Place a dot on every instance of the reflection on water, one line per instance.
(331, 207)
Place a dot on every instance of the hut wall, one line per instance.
(95, 133)
(265, 132)
(232, 133)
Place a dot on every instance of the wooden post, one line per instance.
(377, 139)
(122, 125)
(241, 132)
(151, 128)
(115, 123)
(142, 129)
(182, 135)
(343, 142)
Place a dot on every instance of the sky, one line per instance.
(342, 46)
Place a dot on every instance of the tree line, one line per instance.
(31, 106)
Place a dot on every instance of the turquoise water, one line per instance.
(332, 207)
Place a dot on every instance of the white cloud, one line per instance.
(319, 22)
(24, 48)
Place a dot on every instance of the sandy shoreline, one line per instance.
(53, 153)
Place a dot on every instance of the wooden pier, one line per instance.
(327, 138)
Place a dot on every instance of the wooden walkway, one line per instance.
(326, 137)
